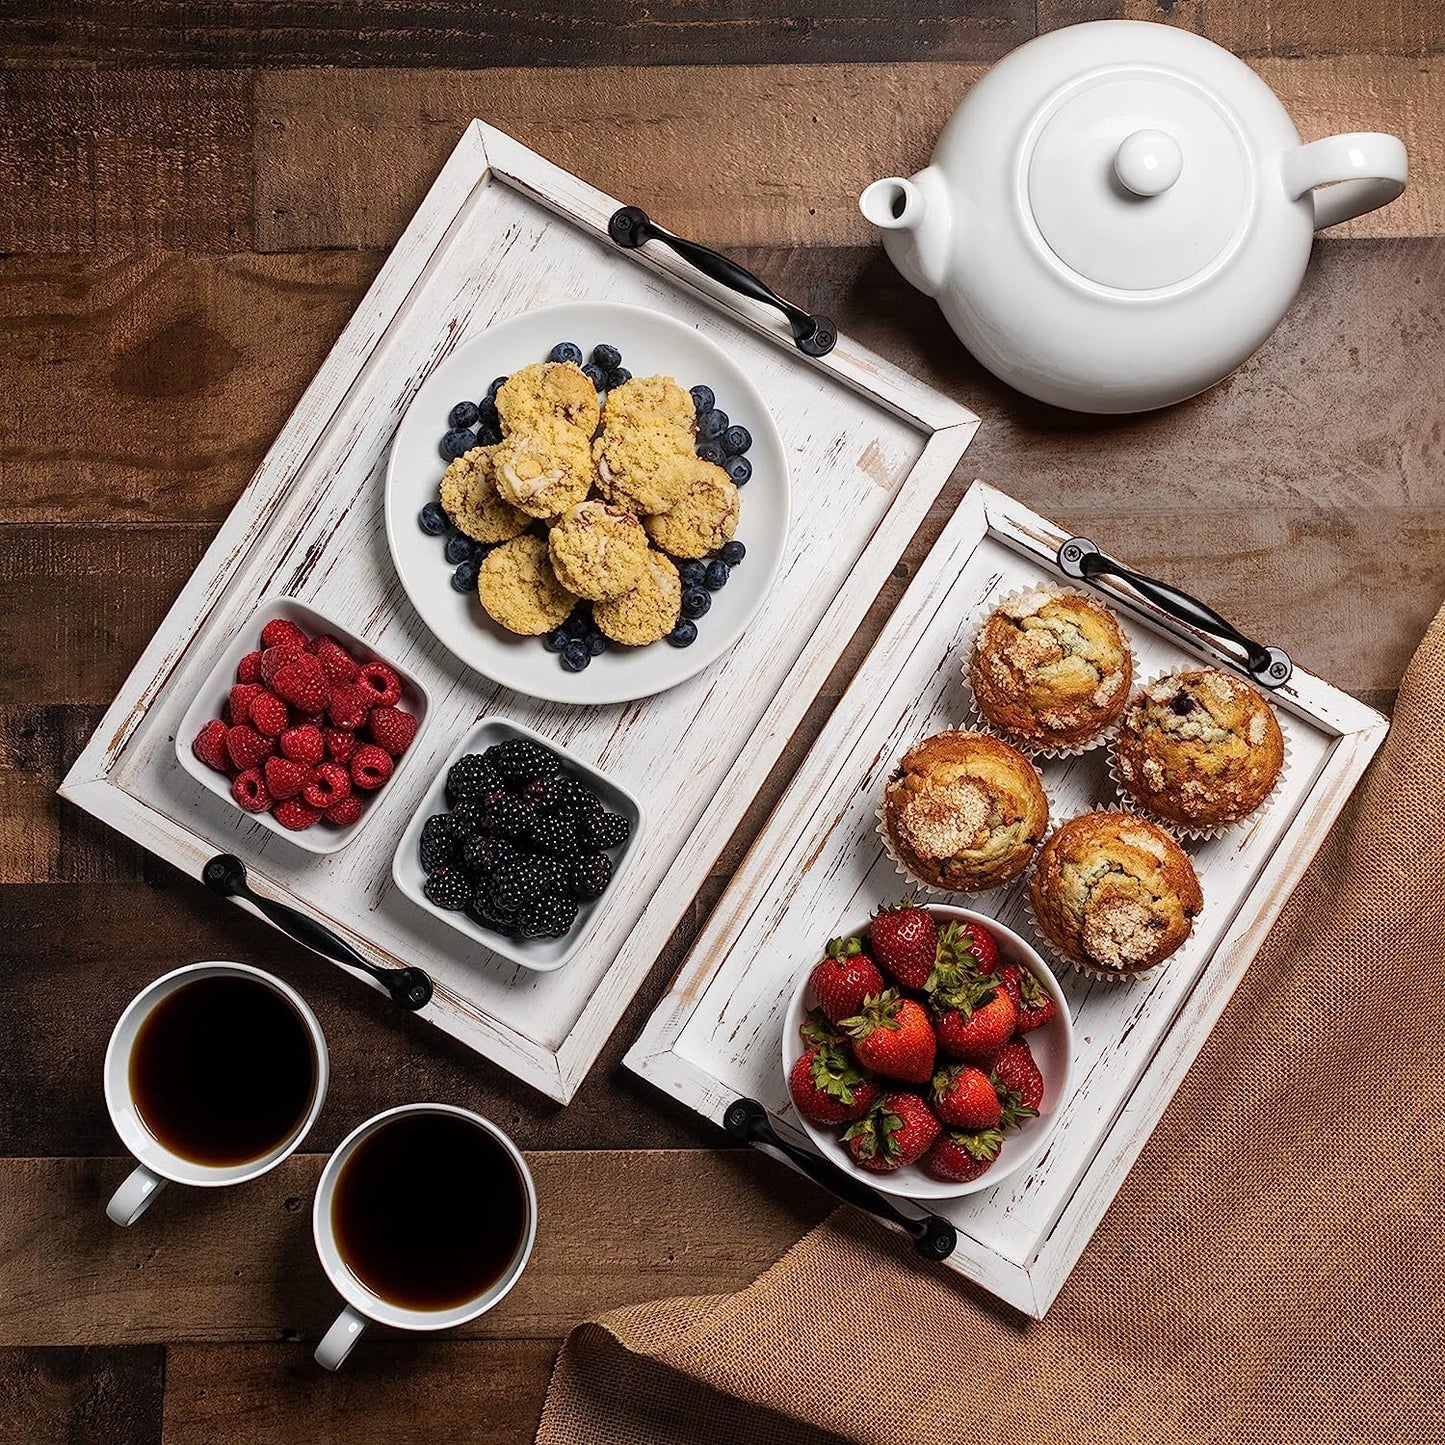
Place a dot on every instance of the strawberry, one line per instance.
(284, 779)
(381, 682)
(344, 813)
(964, 1097)
(1035, 1004)
(370, 766)
(295, 815)
(303, 744)
(210, 746)
(828, 1087)
(302, 683)
(965, 954)
(818, 1028)
(328, 785)
(978, 941)
(892, 1036)
(971, 1024)
(249, 668)
(905, 942)
(249, 790)
(349, 706)
(1019, 1084)
(248, 749)
(391, 729)
(960, 1155)
(273, 659)
(844, 979)
(336, 662)
(278, 632)
(1010, 979)
(896, 1131)
(269, 714)
(238, 704)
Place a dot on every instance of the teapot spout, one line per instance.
(916, 218)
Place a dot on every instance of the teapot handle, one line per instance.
(1364, 170)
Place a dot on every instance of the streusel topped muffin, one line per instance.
(1200, 748)
(1051, 669)
(1114, 893)
(964, 811)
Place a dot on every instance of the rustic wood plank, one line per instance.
(1324, 27)
(128, 158)
(614, 1227)
(342, 157)
(87, 1396)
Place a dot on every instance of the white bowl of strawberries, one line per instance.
(929, 1051)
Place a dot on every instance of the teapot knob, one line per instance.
(1148, 162)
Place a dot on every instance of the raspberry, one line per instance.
(269, 715)
(379, 680)
(370, 766)
(303, 744)
(303, 684)
(249, 790)
(248, 749)
(249, 668)
(278, 632)
(344, 813)
(284, 778)
(340, 744)
(329, 784)
(210, 746)
(336, 662)
(238, 704)
(350, 705)
(391, 729)
(274, 659)
(295, 815)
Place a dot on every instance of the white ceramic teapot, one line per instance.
(1119, 213)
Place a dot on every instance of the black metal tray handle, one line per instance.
(747, 1121)
(631, 227)
(1268, 666)
(409, 988)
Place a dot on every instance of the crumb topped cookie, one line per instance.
(704, 515)
(1114, 893)
(652, 399)
(547, 390)
(965, 811)
(647, 613)
(598, 550)
(1051, 669)
(642, 463)
(519, 589)
(545, 470)
(1200, 748)
(471, 501)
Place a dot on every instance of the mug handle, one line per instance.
(1363, 169)
(134, 1196)
(337, 1342)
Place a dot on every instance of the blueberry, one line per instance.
(480, 550)
(717, 575)
(495, 387)
(579, 624)
(703, 398)
(712, 452)
(732, 553)
(464, 579)
(690, 573)
(712, 424)
(566, 351)
(488, 434)
(457, 442)
(433, 520)
(464, 413)
(695, 602)
(736, 440)
(740, 469)
(459, 548)
(556, 640)
(596, 644)
(487, 412)
(617, 376)
(608, 358)
(575, 656)
(595, 375)
(684, 634)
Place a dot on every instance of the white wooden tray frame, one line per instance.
(818, 861)
(870, 448)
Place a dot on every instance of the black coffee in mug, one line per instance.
(223, 1070)
(429, 1211)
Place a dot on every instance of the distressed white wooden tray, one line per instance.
(502, 232)
(819, 861)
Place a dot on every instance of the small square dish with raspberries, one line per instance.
(301, 725)
(928, 1051)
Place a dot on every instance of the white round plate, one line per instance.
(650, 343)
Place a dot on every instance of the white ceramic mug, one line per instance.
(362, 1304)
(159, 1165)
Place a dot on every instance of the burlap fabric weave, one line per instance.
(1273, 1269)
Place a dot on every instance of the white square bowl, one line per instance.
(539, 954)
(212, 696)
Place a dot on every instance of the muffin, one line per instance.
(1200, 749)
(546, 391)
(642, 464)
(598, 550)
(1114, 893)
(704, 516)
(518, 588)
(545, 470)
(647, 613)
(652, 399)
(964, 811)
(472, 503)
(1052, 670)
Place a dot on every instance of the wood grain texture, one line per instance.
(62, 1396)
(614, 1227)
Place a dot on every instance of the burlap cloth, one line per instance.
(1270, 1271)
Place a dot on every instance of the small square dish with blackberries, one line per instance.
(518, 844)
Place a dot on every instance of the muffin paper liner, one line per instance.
(979, 723)
(1190, 831)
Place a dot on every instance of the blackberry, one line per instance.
(491, 912)
(448, 888)
(523, 881)
(519, 760)
(467, 818)
(509, 817)
(547, 918)
(565, 791)
(538, 791)
(553, 834)
(603, 830)
(486, 854)
(438, 845)
(591, 874)
(471, 777)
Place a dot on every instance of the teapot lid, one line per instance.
(1138, 178)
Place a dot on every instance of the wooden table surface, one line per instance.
(195, 196)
